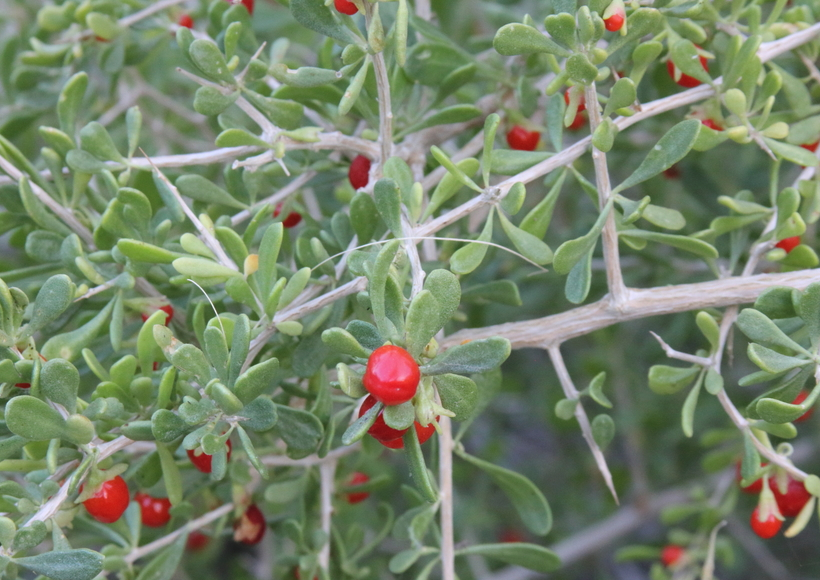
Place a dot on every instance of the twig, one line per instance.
(327, 474)
(445, 470)
(383, 89)
(283, 193)
(310, 460)
(131, 18)
(580, 415)
(686, 357)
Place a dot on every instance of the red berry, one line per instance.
(109, 502)
(672, 172)
(358, 478)
(386, 435)
(615, 22)
(246, 3)
(196, 541)
(250, 528)
(577, 122)
(686, 80)
(789, 244)
(811, 146)
(711, 124)
(582, 102)
(167, 309)
(767, 528)
(292, 219)
(345, 7)
(801, 396)
(202, 461)
(23, 385)
(359, 172)
(510, 536)
(187, 22)
(793, 500)
(754, 488)
(155, 510)
(392, 376)
(522, 140)
(671, 554)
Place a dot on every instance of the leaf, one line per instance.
(526, 243)
(500, 291)
(388, 201)
(318, 17)
(537, 221)
(343, 342)
(54, 297)
(418, 469)
(670, 149)
(603, 430)
(807, 306)
(663, 217)
(206, 56)
(666, 380)
(688, 410)
(448, 186)
(458, 394)
(201, 189)
(59, 382)
(513, 162)
(399, 416)
(528, 500)
(377, 288)
(360, 426)
(792, 153)
(170, 474)
(445, 116)
(165, 564)
(33, 419)
(422, 322)
(80, 564)
(772, 361)
(468, 258)
(473, 357)
(210, 101)
(301, 431)
(695, 246)
(529, 556)
(596, 390)
(570, 252)
(368, 335)
(446, 289)
(579, 280)
(758, 328)
(260, 415)
(70, 101)
(514, 39)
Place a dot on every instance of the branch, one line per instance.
(445, 470)
(327, 474)
(581, 416)
(383, 89)
(639, 303)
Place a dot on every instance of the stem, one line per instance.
(445, 470)
(383, 88)
(327, 473)
(609, 237)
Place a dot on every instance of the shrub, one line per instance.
(229, 224)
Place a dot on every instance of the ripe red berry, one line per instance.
(292, 219)
(767, 528)
(754, 488)
(801, 396)
(510, 536)
(392, 376)
(359, 172)
(522, 140)
(358, 478)
(250, 527)
(202, 461)
(671, 554)
(23, 385)
(615, 22)
(167, 309)
(685, 80)
(345, 7)
(423, 433)
(187, 22)
(109, 502)
(788, 244)
(791, 502)
(811, 146)
(711, 124)
(196, 541)
(672, 172)
(386, 435)
(577, 122)
(155, 510)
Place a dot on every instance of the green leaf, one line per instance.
(529, 556)
(792, 153)
(469, 257)
(95, 139)
(579, 279)
(378, 282)
(473, 357)
(640, 23)
(514, 39)
(695, 246)
(772, 361)
(445, 116)
(59, 382)
(422, 322)
(360, 426)
(33, 419)
(447, 187)
(70, 101)
(526, 243)
(666, 380)
(80, 564)
(671, 148)
(399, 416)
(364, 216)
(603, 430)
(238, 138)
(776, 302)
(664, 217)
(685, 56)
(201, 189)
(203, 268)
(490, 128)
(343, 342)
(418, 468)
(537, 221)
(388, 201)
(301, 431)
(189, 359)
(528, 500)
(515, 198)
(210, 101)
(688, 410)
(807, 305)
(709, 327)
(458, 394)
(70, 344)
(500, 291)
(570, 252)
(165, 564)
(247, 445)
(37, 210)
(454, 169)
(54, 297)
(596, 390)
(446, 289)
(622, 94)
(256, 380)
(354, 89)
(207, 57)
(759, 328)
(775, 411)
(318, 17)
(170, 474)
(580, 69)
